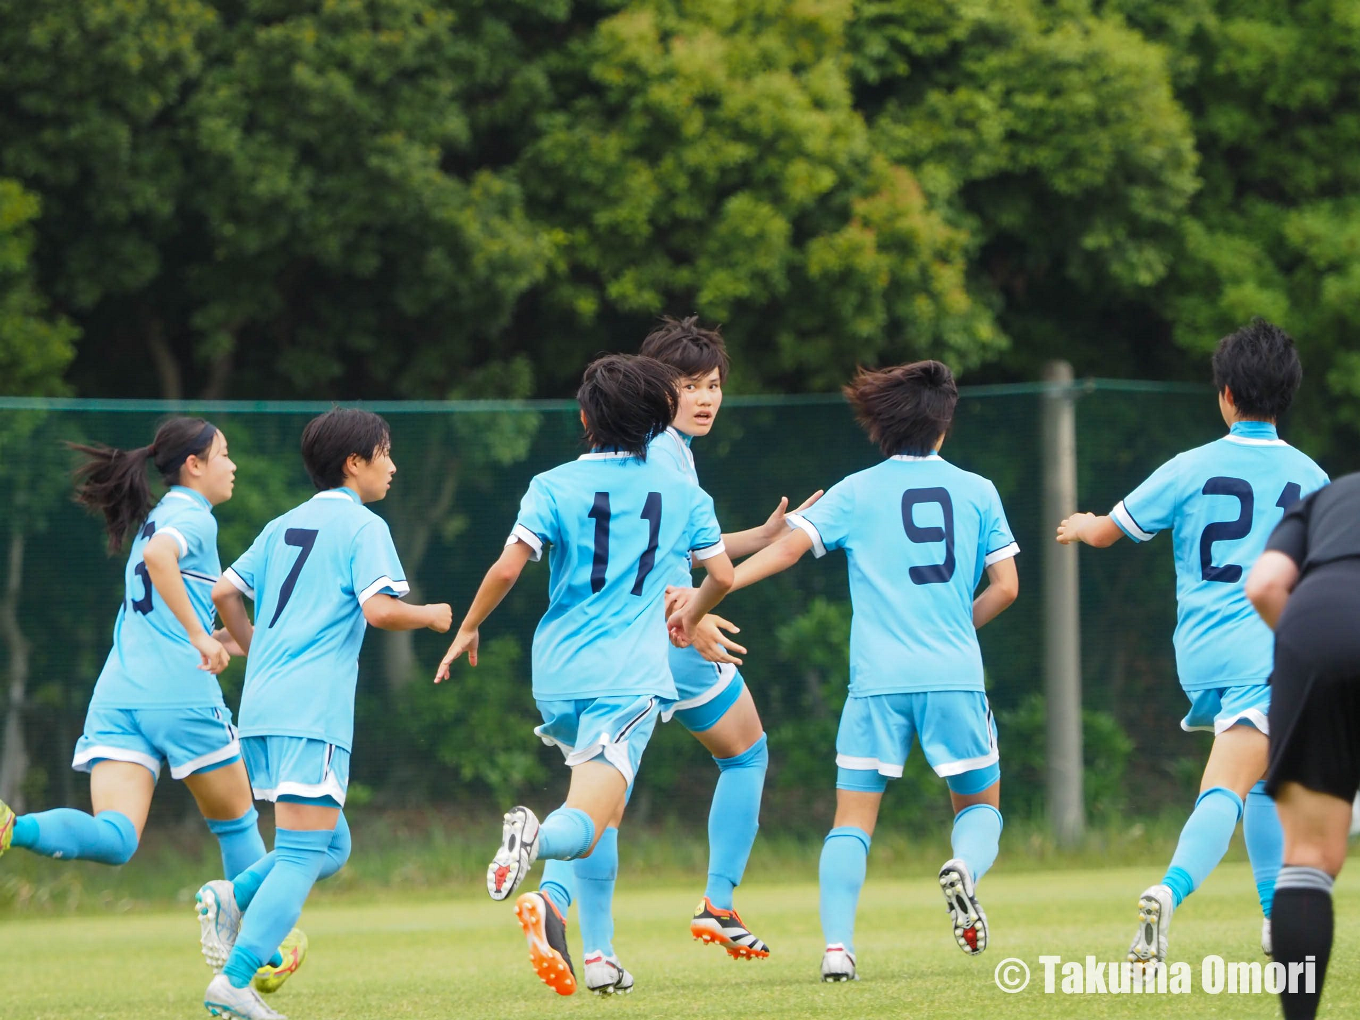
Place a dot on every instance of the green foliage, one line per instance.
(35, 347)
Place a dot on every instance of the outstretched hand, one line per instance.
(709, 641)
(464, 641)
(778, 521)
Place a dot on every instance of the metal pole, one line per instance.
(1062, 618)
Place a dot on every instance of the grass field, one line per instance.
(459, 955)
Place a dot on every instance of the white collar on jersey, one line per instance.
(341, 493)
(932, 455)
(184, 492)
(1254, 433)
(679, 436)
(605, 455)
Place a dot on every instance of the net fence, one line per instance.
(462, 468)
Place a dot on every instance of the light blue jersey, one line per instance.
(310, 572)
(152, 664)
(1221, 501)
(918, 533)
(620, 530)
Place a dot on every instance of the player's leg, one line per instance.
(843, 866)
(123, 767)
(731, 731)
(595, 876)
(958, 738)
(1264, 838)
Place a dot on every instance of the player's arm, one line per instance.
(773, 559)
(1003, 585)
(1270, 583)
(494, 587)
(161, 557)
(231, 608)
(1100, 532)
(741, 544)
(684, 623)
(389, 613)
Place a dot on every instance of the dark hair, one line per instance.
(904, 409)
(114, 482)
(331, 438)
(687, 347)
(628, 400)
(1260, 365)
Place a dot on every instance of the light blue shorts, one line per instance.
(616, 728)
(296, 767)
(706, 690)
(1220, 708)
(189, 739)
(955, 728)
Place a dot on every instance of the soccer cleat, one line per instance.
(546, 931)
(219, 919)
(519, 850)
(6, 826)
(1154, 922)
(269, 979)
(606, 976)
(724, 928)
(225, 1000)
(1267, 942)
(970, 921)
(838, 964)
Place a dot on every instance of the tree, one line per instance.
(35, 347)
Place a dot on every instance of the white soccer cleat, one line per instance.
(1154, 922)
(219, 919)
(519, 850)
(1267, 941)
(965, 912)
(838, 964)
(606, 976)
(226, 1000)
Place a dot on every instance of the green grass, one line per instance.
(453, 953)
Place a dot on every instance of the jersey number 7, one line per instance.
(304, 539)
(600, 513)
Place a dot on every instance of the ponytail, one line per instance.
(114, 482)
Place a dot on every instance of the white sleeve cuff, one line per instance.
(519, 533)
(175, 534)
(239, 582)
(1130, 527)
(1004, 553)
(803, 524)
(400, 587)
(709, 553)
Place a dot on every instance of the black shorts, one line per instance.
(1315, 687)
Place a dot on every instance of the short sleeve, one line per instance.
(827, 521)
(536, 525)
(997, 541)
(705, 535)
(194, 533)
(245, 571)
(374, 565)
(1151, 507)
(1291, 534)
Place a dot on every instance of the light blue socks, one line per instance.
(565, 834)
(559, 883)
(240, 841)
(1265, 843)
(1203, 842)
(845, 859)
(70, 835)
(595, 877)
(733, 820)
(298, 857)
(977, 838)
(248, 882)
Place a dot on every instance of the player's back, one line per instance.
(309, 572)
(152, 663)
(918, 533)
(1221, 500)
(620, 530)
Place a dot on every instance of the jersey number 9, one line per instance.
(934, 573)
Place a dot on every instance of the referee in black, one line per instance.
(1306, 586)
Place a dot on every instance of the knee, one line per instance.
(340, 846)
(755, 756)
(123, 842)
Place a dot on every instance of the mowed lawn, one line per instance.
(461, 956)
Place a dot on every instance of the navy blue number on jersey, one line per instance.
(934, 573)
(144, 605)
(303, 539)
(599, 513)
(1225, 531)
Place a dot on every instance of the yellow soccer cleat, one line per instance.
(270, 979)
(6, 826)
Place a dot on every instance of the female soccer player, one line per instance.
(157, 700)
(620, 525)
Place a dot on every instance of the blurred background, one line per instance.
(444, 209)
